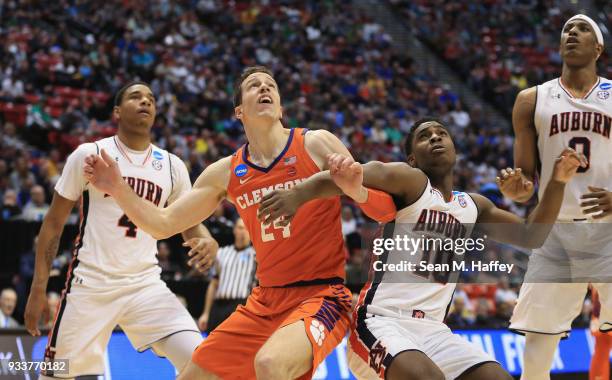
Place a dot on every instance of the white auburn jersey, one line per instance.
(418, 294)
(563, 121)
(109, 244)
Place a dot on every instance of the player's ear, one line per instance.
(116, 114)
(238, 112)
(411, 160)
(598, 51)
(281, 113)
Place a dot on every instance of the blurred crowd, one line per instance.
(61, 63)
(501, 47)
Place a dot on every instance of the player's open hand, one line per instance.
(281, 205)
(102, 172)
(37, 301)
(347, 174)
(567, 164)
(513, 184)
(202, 253)
(598, 201)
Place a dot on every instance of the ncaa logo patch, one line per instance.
(241, 170)
(605, 86)
(603, 95)
(318, 331)
(157, 165)
(157, 155)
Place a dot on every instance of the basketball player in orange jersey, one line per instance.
(600, 362)
(573, 110)
(299, 313)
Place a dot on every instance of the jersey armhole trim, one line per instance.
(535, 108)
(170, 166)
(475, 204)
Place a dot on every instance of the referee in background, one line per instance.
(233, 277)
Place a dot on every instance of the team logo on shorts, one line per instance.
(241, 170)
(157, 165)
(603, 95)
(605, 86)
(377, 356)
(317, 330)
(418, 314)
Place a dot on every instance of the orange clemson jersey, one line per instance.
(311, 247)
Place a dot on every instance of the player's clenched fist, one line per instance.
(102, 172)
(202, 253)
(348, 175)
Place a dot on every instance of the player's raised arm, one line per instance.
(520, 188)
(530, 233)
(192, 208)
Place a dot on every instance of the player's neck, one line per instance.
(266, 142)
(579, 80)
(132, 141)
(444, 183)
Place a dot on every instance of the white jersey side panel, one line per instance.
(410, 294)
(583, 124)
(109, 244)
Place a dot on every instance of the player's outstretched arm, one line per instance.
(521, 188)
(530, 233)
(321, 146)
(192, 208)
(395, 178)
(46, 250)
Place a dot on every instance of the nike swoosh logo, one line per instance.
(244, 180)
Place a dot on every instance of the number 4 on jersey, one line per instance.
(125, 222)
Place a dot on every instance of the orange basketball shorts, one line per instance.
(229, 351)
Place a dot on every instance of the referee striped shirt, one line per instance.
(237, 272)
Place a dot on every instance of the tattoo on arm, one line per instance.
(51, 251)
